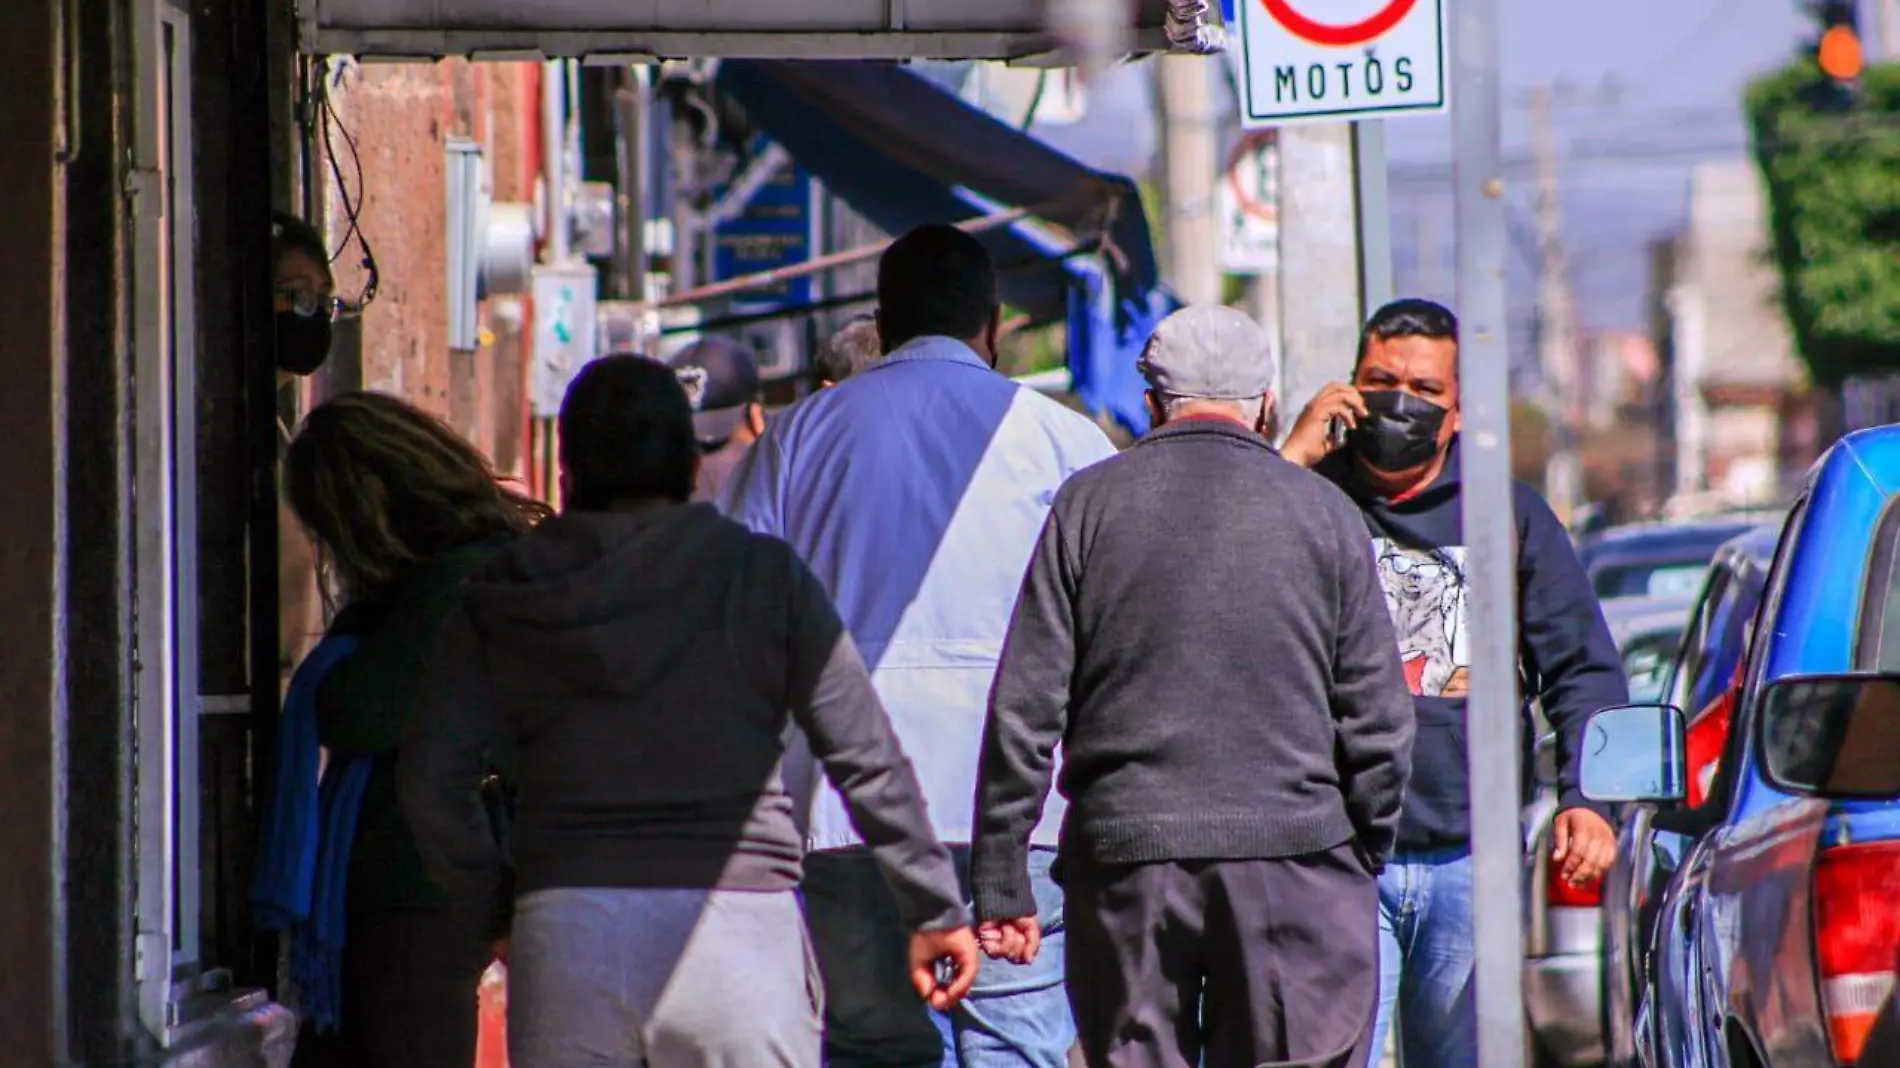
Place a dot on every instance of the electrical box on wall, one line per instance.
(467, 201)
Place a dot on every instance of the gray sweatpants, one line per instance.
(662, 979)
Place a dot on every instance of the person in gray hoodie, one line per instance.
(643, 657)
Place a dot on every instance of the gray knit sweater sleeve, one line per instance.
(1029, 708)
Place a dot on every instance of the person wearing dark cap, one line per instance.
(1202, 633)
(722, 383)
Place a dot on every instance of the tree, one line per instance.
(1832, 176)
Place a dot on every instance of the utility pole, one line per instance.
(1494, 716)
(632, 117)
(1372, 214)
(1190, 147)
(1426, 262)
(1320, 281)
(1558, 341)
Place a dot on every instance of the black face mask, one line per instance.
(303, 342)
(1399, 431)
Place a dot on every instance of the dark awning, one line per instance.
(904, 152)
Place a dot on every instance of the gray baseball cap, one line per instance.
(1209, 352)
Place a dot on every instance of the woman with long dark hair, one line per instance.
(402, 510)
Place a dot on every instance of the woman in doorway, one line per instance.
(402, 510)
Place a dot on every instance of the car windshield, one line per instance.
(1659, 579)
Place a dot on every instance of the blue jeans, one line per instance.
(1427, 953)
(1017, 1017)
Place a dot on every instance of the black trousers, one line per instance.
(1227, 964)
(411, 981)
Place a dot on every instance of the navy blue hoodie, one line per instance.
(1567, 659)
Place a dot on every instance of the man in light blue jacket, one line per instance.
(916, 491)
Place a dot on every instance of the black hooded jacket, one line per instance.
(1567, 659)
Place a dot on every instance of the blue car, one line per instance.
(1703, 678)
(1774, 941)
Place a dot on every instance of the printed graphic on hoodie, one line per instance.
(1425, 592)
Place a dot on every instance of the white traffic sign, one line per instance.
(1247, 201)
(1340, 60)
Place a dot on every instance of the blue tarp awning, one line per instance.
(904, 152)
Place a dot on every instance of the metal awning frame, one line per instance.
(616, 48)
(902, 32)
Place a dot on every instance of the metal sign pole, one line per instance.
(1494, 711)
(1374, 212)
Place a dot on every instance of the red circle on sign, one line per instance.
(1325, 33)
(1253, 142)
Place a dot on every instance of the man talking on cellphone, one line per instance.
(1398, 461)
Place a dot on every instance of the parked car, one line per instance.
(1648, 632)
(1656, 560)
(1562, 965)
(1839, 739)
(1702, 677)
(1775, 939)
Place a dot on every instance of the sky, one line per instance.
(1645, 89)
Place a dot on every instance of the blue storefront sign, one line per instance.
(774, 230)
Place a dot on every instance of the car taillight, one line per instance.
(1706, 739)
(1560, 894)
(1856, 938)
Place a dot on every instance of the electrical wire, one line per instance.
(352, 205)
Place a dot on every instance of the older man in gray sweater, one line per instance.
(1202, 631)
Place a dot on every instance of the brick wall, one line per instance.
(401, 117)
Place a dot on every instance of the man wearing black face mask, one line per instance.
(1399, 463)
(303, 293)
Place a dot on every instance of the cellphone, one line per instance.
(1336, 432)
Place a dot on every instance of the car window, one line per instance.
(1757, 649)
(1878, 644)
(1646, 664)
(1721, 645)
(1669, 580)
(1689, 668)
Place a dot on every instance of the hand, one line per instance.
(927, 949)
(1309, 442)
(1584, 843)
(1016, 941)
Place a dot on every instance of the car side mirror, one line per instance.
(1635, 753)
(1833, 736)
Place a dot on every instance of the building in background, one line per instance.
(1738, 388)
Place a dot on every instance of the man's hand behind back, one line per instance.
(954, 948)
(1584, 843)
(1311, 439)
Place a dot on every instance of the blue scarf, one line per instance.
(304, 860)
